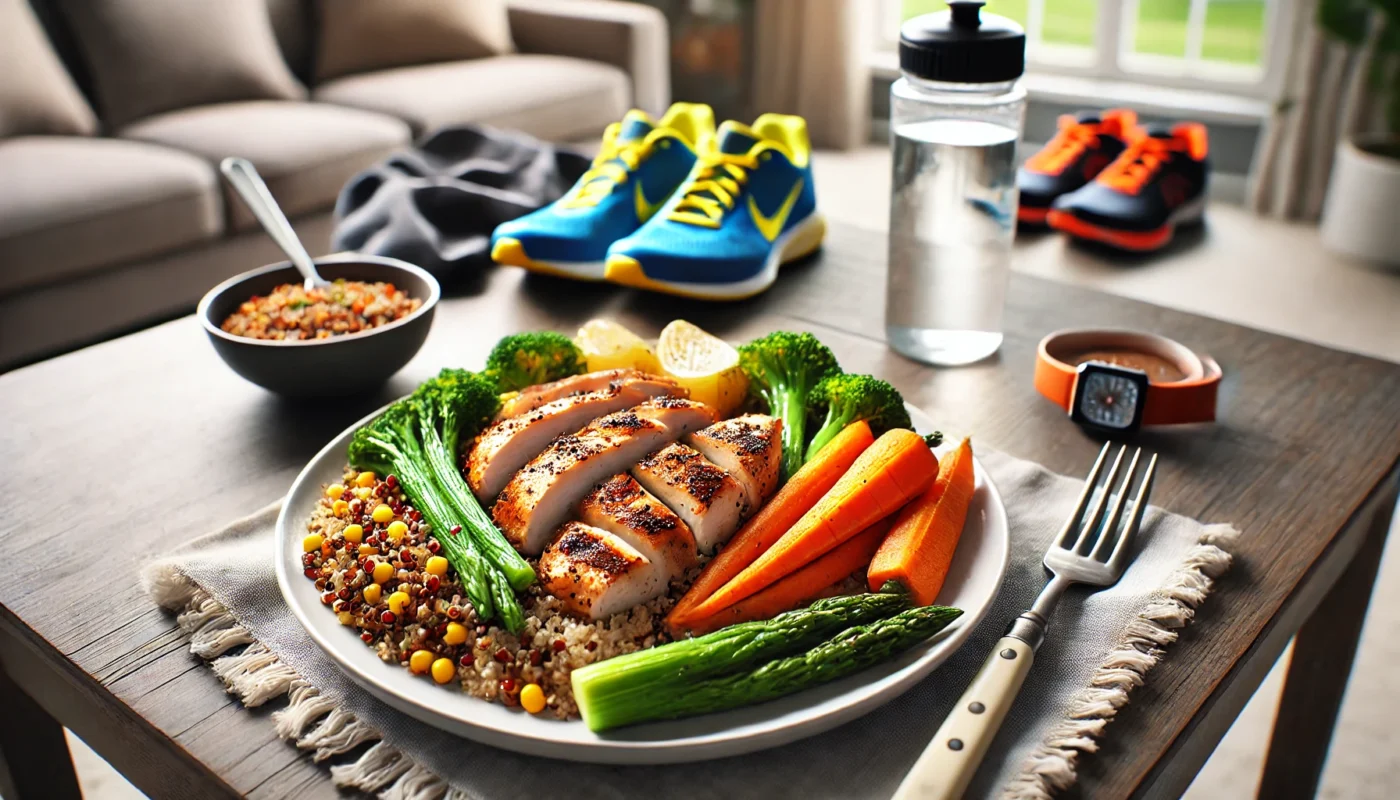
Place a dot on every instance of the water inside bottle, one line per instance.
(952, 218)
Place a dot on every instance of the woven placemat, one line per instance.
(1101, 646)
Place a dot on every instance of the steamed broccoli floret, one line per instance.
(525, 359)
(783, 367)
(934, 439)
(845, 398)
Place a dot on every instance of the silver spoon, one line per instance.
(244, 178)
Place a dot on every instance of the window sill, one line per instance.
(1202, 105)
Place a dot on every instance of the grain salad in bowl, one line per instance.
(600, 545)
(293, 312)
(344, 338)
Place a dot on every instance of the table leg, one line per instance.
(1323, 651)
(34, 757)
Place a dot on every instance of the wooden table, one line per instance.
(120, 452)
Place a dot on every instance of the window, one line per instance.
(1216, 45)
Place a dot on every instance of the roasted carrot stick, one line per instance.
(798, 495)
(898, 467)
(920, 547)
(803, 586)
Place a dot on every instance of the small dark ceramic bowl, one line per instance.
(341, 365)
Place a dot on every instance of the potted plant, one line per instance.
(1359, 215)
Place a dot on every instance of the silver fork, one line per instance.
(1089, 550)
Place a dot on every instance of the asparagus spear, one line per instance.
(849, 652)
(389, 444)
(458, 403)
(669, 668)
(473, 572)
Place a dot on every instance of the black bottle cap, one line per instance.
(962, 45)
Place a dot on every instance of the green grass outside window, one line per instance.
(1234, 29)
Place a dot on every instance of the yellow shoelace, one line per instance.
(722, 176)
(606, 173)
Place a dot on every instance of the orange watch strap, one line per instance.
(1055, 380)
(1180, 402)
(1191, 399)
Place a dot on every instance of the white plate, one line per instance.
(973, 581)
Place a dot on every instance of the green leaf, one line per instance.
(1390, 8)
(1388, 42)
(1345, 19)
(1392, 111)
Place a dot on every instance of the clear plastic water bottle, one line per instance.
(956, 115)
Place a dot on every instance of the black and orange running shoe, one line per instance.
(1084, 145)
(1138, 201)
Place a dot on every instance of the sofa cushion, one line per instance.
(551, 97)
(36, 95)
(304, 151)
(74, 205)
(151, 56)
(365, 35)
(293, 25)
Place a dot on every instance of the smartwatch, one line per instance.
(1118, 381)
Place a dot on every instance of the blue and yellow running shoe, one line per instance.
(748, 207)
(640, 165)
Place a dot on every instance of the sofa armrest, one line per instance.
(631, 36)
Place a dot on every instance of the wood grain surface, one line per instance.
(1323, 651)
(122, 451)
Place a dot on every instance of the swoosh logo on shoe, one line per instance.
(770, 227)
(645, 208)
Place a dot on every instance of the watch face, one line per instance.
(1109, 396)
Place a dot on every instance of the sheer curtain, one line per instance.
(1325, 99)
(809, 61)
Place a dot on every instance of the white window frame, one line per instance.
(1111, 59)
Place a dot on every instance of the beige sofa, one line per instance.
(105, 233)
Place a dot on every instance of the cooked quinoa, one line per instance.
(488, 661)
(292, 313)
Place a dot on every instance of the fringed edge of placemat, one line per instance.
(311, 721)
(1053, 766)
(314, 722)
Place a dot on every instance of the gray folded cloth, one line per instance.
(436, 205)
(1100, 646)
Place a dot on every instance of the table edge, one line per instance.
(1271, 641)
(87, 707)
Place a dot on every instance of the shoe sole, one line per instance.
(1136, 241)
(803, 240)
(1032, 217)
(511, 252)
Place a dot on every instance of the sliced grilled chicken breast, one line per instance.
(502, 449)
(539, 497)
(621, 506)
(705, 496)
(596, 574)
(532, 397)
(749, 448)
(679, 415)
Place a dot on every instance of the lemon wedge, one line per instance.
(608, 345)
(706, 365)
